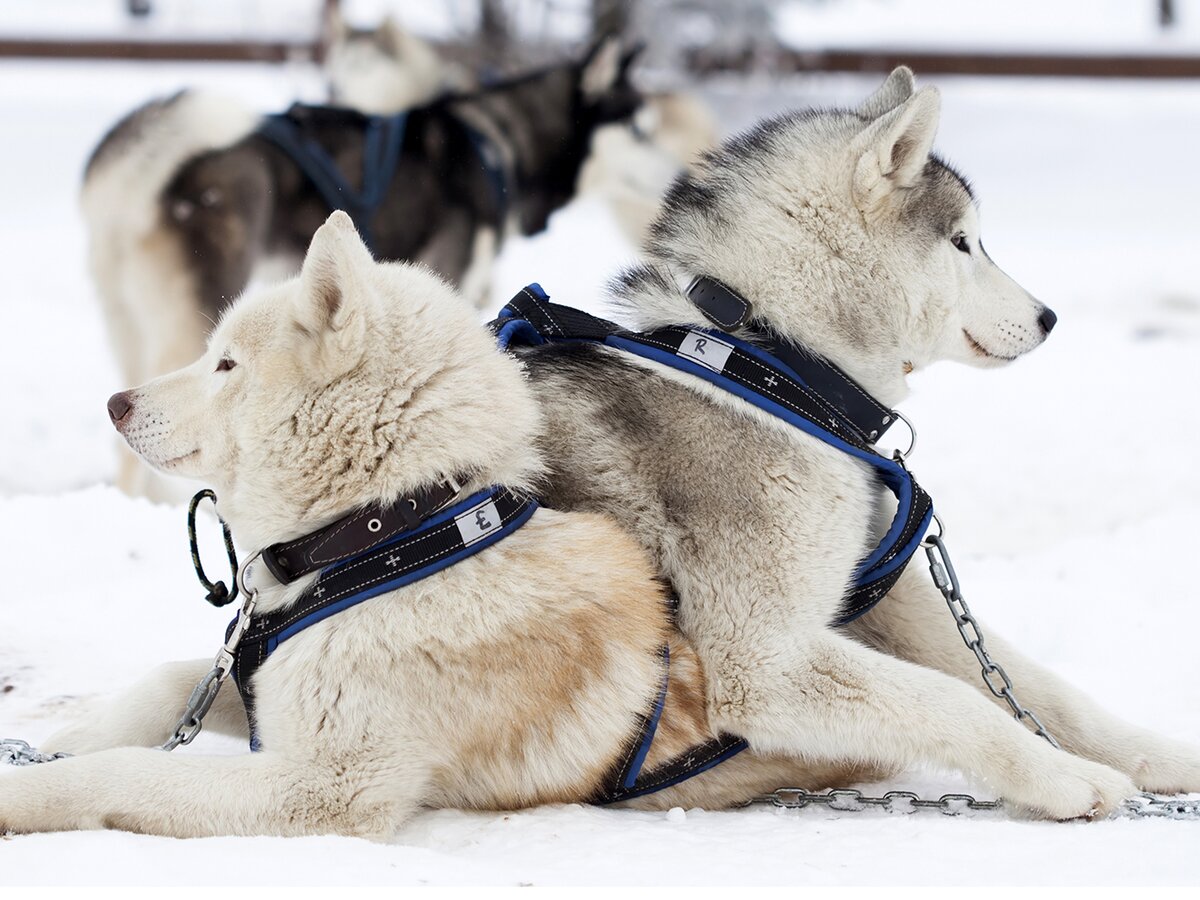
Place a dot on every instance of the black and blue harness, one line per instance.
(379, 549)
(805, 391)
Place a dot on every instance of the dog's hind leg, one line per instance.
(912, 623)
(145, 715)
(182, 795)
(831, 698)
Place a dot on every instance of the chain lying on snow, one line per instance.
(849, 800)
(1143, 806)
(19, 753)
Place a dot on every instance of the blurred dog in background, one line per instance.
(189, 197)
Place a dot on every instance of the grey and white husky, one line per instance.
(853, 241)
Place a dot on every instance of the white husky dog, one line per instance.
(512, 678)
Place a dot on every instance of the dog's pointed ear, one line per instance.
(333, 279)
(893, 150)
(602, 68)
(897, 88)
(335, 24)
(391, 38)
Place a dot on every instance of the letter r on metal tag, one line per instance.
(710, 352)
(478, 523)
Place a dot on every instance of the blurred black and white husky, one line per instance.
(185, 201)
(851, 239)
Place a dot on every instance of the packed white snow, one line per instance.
(1067, 482)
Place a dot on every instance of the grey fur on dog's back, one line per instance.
(683, 473)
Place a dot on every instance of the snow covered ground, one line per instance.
(1067, 482)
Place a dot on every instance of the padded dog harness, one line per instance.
(379, 549)
(809, 393)
(362, 556)
(293, 133)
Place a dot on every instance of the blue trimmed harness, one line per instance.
(440, 541)
(828, 406)
(764, 381)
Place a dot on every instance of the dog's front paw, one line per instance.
(1165, 766)
(1062, 786)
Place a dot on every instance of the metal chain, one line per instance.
(994, 676)
(191, 720)
(999, 683)
(19, 753)
(1143, 806)
(850, 800)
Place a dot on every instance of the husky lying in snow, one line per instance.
(512, 678)
(850, 240)
(185, 198)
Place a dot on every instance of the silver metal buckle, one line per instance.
(452, 483)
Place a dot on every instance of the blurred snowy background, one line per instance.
(1067, 481)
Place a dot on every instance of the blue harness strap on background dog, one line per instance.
(763, 380)
(383, 139)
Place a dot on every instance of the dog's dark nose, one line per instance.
(119, 407)
(1047, 319)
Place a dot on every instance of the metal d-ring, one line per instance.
(928, 541)
(912, 443)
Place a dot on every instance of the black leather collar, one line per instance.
(729, 310)
(357, 532)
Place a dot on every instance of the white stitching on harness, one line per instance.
(808, 393)
(540, 304)
(385, 577)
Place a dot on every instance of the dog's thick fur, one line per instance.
(513, 678)
(851, 240)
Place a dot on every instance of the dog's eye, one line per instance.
(960, 243)
(225, 364)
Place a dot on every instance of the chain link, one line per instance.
(994, 676)
(19, 753)
(191, 720)
(850, 800)
(1143, 806)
